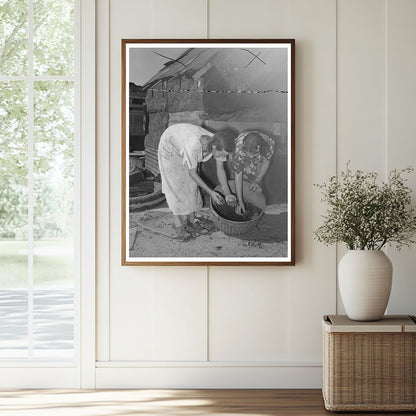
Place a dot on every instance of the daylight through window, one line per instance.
(38, 204)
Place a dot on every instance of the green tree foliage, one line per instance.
(13, 37)
(13, 129)
(53, 209)
(13, 159)
(53, 37)
(13, 209)
(53, 118)
(54, 127)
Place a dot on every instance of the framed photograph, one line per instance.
(208, 134)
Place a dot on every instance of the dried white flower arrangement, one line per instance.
(366, 215)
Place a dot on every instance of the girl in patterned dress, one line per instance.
(250, 162)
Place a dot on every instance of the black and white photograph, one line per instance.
(208, 152)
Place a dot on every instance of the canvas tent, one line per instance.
(236, 88)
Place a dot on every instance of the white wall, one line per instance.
(254, 326)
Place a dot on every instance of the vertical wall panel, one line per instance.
(137, 299)
(248, 314)
(179, 309)
(248, 306)
(361, 89)
(102, 178)
(131, 315)
(312, 281)
(361, 84)
(312, 24)
(401, 143)
(159, 316)
(247, 19)
(178, 19)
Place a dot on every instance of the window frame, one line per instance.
(81, 371)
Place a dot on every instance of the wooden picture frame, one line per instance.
(226, 100)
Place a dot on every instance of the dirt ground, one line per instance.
(152, 235)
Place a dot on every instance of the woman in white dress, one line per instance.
(182, 146)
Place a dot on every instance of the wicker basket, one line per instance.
(369, 366)
(233, 228)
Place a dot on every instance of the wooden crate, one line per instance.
(369, 366)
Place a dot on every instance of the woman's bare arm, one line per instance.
(222, 177)
(239, 191)
(216, 197)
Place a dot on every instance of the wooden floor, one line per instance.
(164, 402)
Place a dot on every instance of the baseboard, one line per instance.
(210, 377)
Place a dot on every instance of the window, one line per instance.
(38, 184)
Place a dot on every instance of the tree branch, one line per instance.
(5, 53)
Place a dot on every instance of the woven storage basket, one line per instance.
(234, 228)
(369, 366)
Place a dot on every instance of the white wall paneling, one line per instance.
(140, 329)
(361, 88)
(401, 133)
(244, 19)
(247, 326)
(248, 314)
(162, 315)
(361, 84)
(103, 176)
(311, 282)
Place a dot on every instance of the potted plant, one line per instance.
(366, 215)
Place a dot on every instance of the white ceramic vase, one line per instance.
(364, 278)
